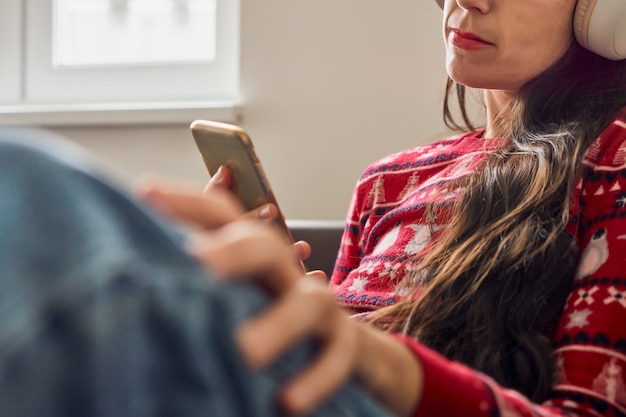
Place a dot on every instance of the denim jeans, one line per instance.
(102, 313)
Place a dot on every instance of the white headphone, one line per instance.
(600, 26)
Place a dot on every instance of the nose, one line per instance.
(482, 6)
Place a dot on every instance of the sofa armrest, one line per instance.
(324, 236)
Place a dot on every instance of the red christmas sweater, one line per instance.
(385, 230)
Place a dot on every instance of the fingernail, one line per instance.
(265, 213)
(219, 173)
(299, 252)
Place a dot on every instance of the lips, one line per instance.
(467, 40)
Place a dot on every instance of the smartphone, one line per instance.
(229, 145)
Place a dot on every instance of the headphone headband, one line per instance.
(600, 26)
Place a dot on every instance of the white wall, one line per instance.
(327, 87)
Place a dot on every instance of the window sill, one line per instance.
(118, 113)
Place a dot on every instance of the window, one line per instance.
(132, 32)
(63, 58)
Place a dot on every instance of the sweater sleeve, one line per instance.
(348, 256)
(350, 250)
(590, 342)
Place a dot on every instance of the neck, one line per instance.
(496, 102)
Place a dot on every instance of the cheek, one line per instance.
(534, 51)
(530, 58)
(506, 67)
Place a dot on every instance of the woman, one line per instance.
(529, 218)
(497, 248)
(526, 213)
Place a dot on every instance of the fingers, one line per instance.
(295, 315)
(248, 248)
(220, 180)
(328, 372)
(233, 244)
(302, 250)
(318, 276)
(267, 212)
(188, 204)
(307, 311)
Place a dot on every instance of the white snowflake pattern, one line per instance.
(402, 290)
(411, 266)
(578, 319)
(461, 167)
(390, 269)
(616, 296)
(421, 238)
(621, 200)
(409, 284)
(358, 285)
(586, 296)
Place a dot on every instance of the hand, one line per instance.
(268, 212)
(232, 246)
(303, 308)
(221, 181)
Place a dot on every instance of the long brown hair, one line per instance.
(497, 278)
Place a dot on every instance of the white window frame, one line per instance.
(32, 91)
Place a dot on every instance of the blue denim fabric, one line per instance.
(103, 314)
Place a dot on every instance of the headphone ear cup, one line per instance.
(600, 26)
(584, 8)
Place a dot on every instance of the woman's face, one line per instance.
(502, 44)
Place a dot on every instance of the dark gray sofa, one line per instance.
(324, 237)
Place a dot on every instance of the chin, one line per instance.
(476, 83)
(484, 82)
(488, 78)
